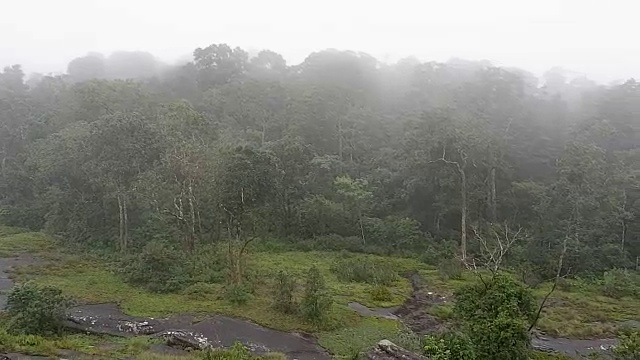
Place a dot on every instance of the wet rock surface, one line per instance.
(578, 348)
(387, 313)
(386, 350)
(184, 332)
(6, 265)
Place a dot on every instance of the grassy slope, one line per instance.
(581, 312)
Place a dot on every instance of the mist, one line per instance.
(582, 36)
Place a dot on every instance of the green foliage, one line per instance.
(235, 352)
(449, 346)
(237, 294)
(283, 293)
(451, 268)
(35, 309)
(202, 291)
(617, 283)
(380, 293)
(495, 313)
(317, 300)
(629, 346)
(397, 232)
(158, 268)
(364, 270)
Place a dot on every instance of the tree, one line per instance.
(496, 315)
(122, 147)
(356, 195)
(219, 64)
(89, 67)
(244, 181)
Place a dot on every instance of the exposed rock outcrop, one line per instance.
(386, 350)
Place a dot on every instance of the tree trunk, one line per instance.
(121, 223)
(340, 144)
(126, 225)
(361, 227)
(463, 217)
(623, 221)
(492, 196)
(192, 233)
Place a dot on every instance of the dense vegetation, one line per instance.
(177, 173)
(341, 151)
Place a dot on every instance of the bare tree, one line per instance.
(461, 168)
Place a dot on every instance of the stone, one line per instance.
(386, 350)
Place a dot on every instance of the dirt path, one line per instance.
(414, 313)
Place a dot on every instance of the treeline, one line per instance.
(339, 152)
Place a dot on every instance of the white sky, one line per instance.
(597, 37)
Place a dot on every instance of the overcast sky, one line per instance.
(598, 38)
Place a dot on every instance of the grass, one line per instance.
(90, 280)
(88, 345)
(348, 342)
(578, 311)
(15, 241)
(581, 312)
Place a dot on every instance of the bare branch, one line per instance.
(555, 283)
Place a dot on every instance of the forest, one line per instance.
(449, 164)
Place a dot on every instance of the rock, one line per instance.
(386, 350)
(185, 340)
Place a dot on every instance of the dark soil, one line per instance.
(414, 313)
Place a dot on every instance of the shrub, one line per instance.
(208, 264)
(157, 268)
(202, 291)
(283, 290)
(617, 283)
(629, 346)
(380, 293)
(450, 269)
(35, 309)
(399, 233)
(449, 346)
(496, 314)
(317, 301)
(237, 294)
(363, 270)
(564, 285)
(236, 352)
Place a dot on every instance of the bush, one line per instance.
(209, 265)
(363, 270)
(617, 283)
(496, 314)
(35, 309)
(202, 291)
(399, 233)
(380, 293)
(449, 346)
(236, 352)
(450, 269)
(283, 290)
(317, 301)
(237, 294)
(629, 346)
(158, 268)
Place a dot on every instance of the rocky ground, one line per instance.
(184, 332)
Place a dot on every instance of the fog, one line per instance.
(588, 37)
